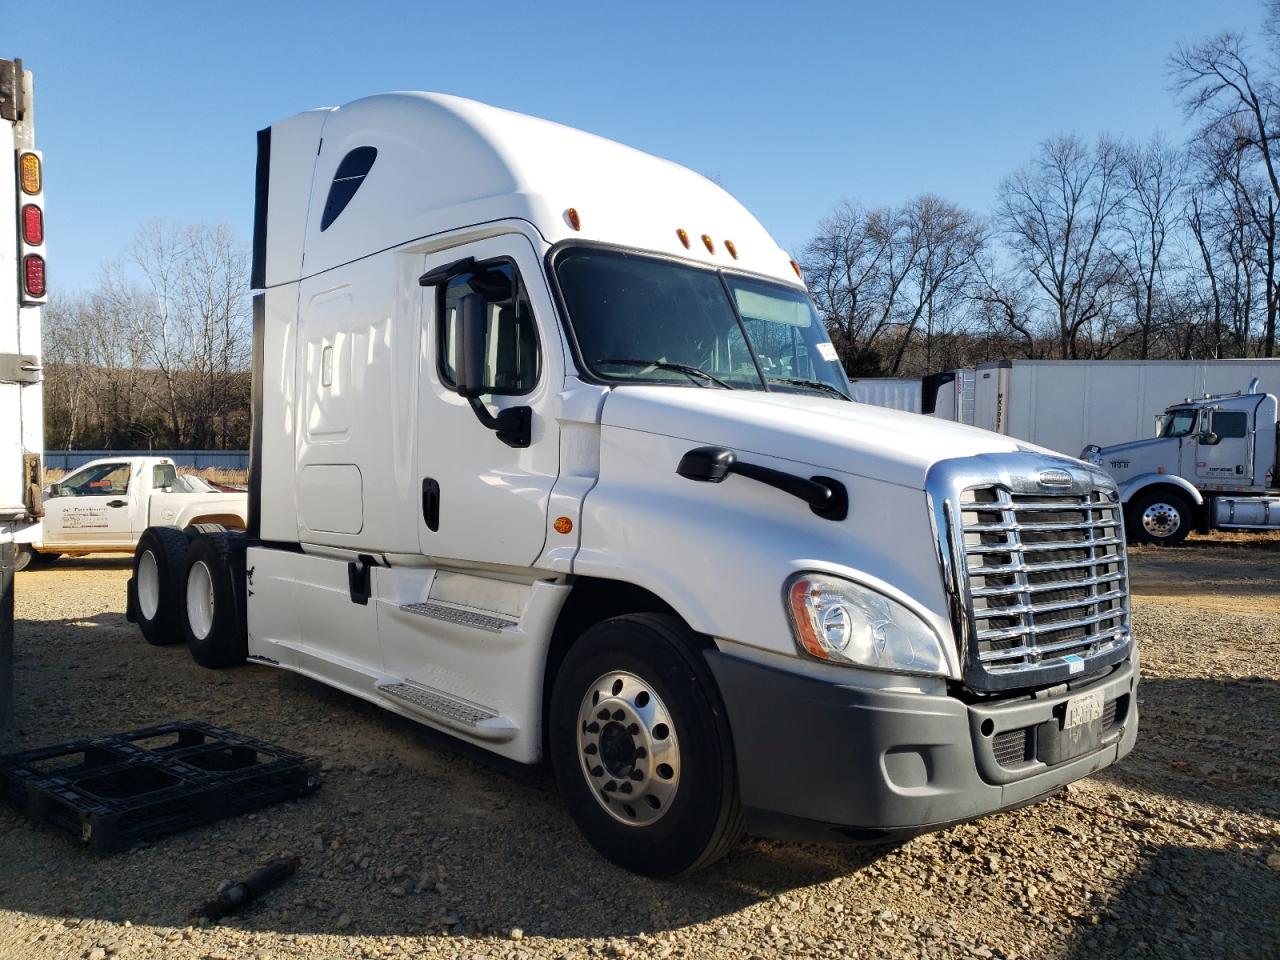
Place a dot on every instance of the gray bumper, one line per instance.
(817, 759)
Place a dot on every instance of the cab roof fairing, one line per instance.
(446, 162)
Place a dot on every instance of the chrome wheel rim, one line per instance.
(148, 586)
(200, 600)
(1161, 520)
(628, 748)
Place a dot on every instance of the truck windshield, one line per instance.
(1177, 423)
(644, 318)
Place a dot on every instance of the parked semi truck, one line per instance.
(1212, 465)
(551, 451)
(1066, 404)
(105, 506)
(22, 291)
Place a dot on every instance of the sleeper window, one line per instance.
(1230, 425)
(347, 179)
(511, 354)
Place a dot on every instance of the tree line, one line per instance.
(1104, 249)
(157, 354)
(1108, 249)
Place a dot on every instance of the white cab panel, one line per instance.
(293, 155)
(279, 515)
(356, 384)
(493, 498)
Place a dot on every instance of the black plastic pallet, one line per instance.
(114, 791)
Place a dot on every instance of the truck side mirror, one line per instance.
(473, 336)
(55, 490)
(1208, 438)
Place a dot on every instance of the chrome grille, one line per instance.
(1044, 577)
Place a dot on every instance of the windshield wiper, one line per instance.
(799, 382)
(696, 374)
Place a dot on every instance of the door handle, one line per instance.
(431, 504)
(117, 503)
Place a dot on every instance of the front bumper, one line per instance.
(818, 760)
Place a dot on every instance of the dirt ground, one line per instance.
(416, 847)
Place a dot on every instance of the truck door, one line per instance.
(482, 499)
(1222, 449)
(92, 506)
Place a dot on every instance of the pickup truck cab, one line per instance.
(104, 506)
(552, 451)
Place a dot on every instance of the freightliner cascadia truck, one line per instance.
(551, 451)
(22, 292)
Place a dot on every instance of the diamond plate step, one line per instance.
(463, 618)
(449, 710)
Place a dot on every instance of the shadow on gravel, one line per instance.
(1211, 741)
(122, 561)
(412, 834)
(1190, 902)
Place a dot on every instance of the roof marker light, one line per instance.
(32, 225)
(33, 274)
(733, 251)
(708, 243)
(29, 173)
(572, 216)
(684, 237)
(796, 267)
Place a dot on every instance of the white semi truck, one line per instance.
(551, 451)
(1212, 465)
(22, 291)
(105, 505)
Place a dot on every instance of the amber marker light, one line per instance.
(708, 243)
(563, 525)
(29, 173)
(805, 629)
(796, 267)
(684, 237)
(572, 216)
(733, 251)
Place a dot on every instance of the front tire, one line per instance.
(214, 618)
(642, 749)
(155, 590)
(1159, 517)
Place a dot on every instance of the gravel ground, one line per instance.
(417, 847)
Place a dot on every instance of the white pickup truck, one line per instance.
(105, 505)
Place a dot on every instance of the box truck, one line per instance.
(22, 291)
(1212, 465)
(551, 451)
(1066, 404)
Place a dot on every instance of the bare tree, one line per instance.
(1154, 180)
(1057, 213)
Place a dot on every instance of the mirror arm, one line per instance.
(514, 425)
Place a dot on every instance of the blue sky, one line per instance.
(148, 109)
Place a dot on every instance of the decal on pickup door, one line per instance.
(1119, 464)
(84, 518)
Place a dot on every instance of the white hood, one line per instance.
(837, 435)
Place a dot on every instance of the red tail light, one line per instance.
(32, 225)
(33, 273)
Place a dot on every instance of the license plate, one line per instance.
(1083, 709)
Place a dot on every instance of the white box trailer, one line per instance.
(1066, 405)
(947, 395)
(895, 393)
(22, 291)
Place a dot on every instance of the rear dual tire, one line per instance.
(214, 622)
(188, 585)
(159, 578)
